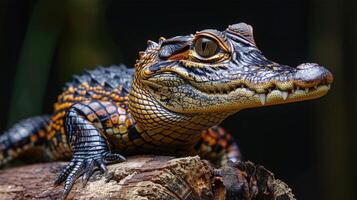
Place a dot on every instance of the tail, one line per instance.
(23, 135)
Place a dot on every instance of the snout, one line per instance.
(311, 74)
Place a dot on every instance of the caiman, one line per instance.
(171, 102)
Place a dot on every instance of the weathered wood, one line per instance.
(145, 177)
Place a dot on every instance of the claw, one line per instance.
(114, 158)
(72, 177)
(101, 165)
(88, 171)
(64, 173)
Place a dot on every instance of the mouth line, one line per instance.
(284, 93)
(228, 88)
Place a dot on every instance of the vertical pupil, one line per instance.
(205, 47)
(204, 44)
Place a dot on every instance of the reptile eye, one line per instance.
(206, 47)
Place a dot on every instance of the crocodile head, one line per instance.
(222, 71)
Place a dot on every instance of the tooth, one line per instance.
(315, 87)
(328, 86)
(262, 98)
(306, 90)
(284, 94)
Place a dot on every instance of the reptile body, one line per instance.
(170, 103)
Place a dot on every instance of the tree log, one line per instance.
(149, 177)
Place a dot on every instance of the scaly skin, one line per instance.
(181, 89)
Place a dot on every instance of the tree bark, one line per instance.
(149, 177)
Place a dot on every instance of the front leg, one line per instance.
(85, 133)
(218, 146)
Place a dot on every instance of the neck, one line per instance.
(153, 117)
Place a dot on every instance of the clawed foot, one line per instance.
(85, 165)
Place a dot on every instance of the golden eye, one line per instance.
(206, 47)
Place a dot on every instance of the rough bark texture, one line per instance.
(149, 177)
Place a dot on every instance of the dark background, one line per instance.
(310, 145)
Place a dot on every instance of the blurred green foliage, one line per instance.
(75, 35)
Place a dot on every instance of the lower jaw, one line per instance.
(275, 97)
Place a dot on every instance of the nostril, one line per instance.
(312, 72)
